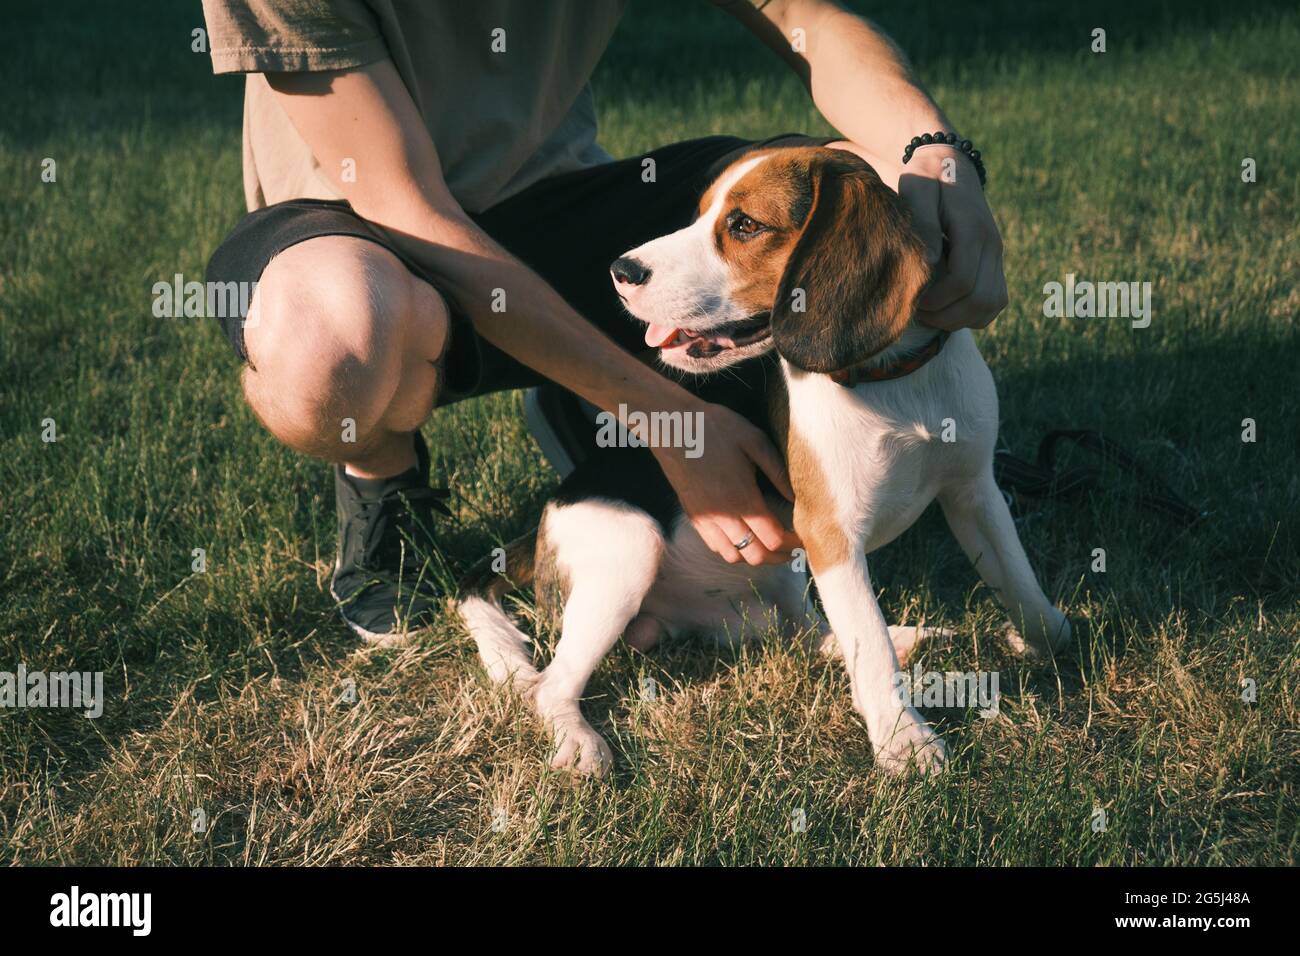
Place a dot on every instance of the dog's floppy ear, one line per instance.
(851, 282)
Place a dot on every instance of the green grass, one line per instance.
(223, 687)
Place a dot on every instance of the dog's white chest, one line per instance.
(885, 449)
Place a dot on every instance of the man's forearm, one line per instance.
(861, 82)
(519, 313)
(858, 78)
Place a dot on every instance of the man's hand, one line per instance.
(968, 288)
(720, 494)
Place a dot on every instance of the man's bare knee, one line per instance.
(335, 326)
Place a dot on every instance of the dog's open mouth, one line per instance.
(703, 343)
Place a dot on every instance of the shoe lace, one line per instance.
(397, 530)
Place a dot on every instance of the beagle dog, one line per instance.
(802, 264)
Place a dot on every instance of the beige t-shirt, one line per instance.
(501, 84)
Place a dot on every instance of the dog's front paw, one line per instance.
(911, 744)
(580, 749)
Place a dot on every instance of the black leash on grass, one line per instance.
(1040, 479)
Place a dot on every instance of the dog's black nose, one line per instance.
(632, 271)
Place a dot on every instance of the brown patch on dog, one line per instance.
(775, 197)
(482, 580)
(815, 520)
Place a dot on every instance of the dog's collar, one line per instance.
(860, 374)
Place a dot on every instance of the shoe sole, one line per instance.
(375, 638)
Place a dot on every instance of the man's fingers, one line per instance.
(977, 310)
(737, 531)
(921, 194)
(991, 291)
(778, 540)
(958, 281)
(769, 543)
(755, 552)
(762, 454)
(732, 510)
(717, 540)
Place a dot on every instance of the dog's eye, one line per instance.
(742, 226)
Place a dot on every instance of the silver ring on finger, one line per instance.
(744, 542)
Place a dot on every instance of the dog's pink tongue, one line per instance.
(657, 335)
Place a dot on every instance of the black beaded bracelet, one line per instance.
(942, 138)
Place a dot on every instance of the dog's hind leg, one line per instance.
(606, 556)
(982, 523)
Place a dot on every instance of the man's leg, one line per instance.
(343, 345)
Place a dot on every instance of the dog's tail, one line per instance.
(501, 645)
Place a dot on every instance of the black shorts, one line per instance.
(568, 229)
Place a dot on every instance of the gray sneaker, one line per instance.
(382, 579)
